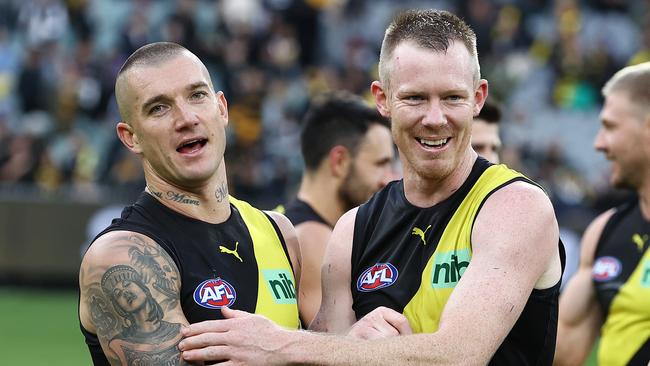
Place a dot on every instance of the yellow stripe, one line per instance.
(627, 326)
(271, 261)
(425, 308)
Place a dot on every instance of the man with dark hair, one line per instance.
(610, 292)
(348, 154)
(185, 249)
(485, 132)
(464, 253)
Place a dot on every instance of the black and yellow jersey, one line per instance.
(410, 259)
(241, 263)
(621, 276)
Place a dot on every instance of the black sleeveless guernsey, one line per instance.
(261, 282)
(410, 259)
(299, 211)
(621, 276)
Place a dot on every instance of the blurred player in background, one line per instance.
(610, 293)
(348, 153)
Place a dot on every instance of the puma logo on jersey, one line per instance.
(417, 231)
(640, 241)
(231, 251)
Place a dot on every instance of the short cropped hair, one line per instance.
(634, 81)
(335, 119)
(490, 113)
(148, 55)
(430, 29)
(152, 54)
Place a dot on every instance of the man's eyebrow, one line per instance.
(197, 85)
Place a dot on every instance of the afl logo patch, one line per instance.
(380, 275)
(606, 268)
(215, 294)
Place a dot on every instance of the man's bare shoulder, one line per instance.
(290, 239)
(513, 220)
(591, 237)
(312, 233)
(129, 297)
(523, 194)
(518, 210)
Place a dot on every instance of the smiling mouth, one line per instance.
(433, 144)
(192, 146)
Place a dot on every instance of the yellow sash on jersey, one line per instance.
(627, 326)
(276, 293)
(453, 253)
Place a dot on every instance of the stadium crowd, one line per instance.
(545, 60)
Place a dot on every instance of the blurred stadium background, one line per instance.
(63, 173)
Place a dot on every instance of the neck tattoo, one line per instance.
(175, 197)
(222, 192)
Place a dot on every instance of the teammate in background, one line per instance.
(464, 252)
(185, 248)
(610, 293)
(485, 132)
(348, 153)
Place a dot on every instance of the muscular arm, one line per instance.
(335, 314)
(580, 315)
(313, 237)
(130, 298)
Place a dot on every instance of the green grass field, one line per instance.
(41, 327)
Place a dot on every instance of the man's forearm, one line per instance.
(309, 348)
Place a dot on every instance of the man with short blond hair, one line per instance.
(610, 293)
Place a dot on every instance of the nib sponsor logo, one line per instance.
(380, 275)
(215, 294)
(448, 267)
(280, 285)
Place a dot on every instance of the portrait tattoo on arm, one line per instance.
(129, 303)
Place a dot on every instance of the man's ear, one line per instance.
(128, 137)
(480, 95)
(381, 98)
(339, 160)
(222, 104)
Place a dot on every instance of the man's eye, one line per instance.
(199, 95)
(156, 109)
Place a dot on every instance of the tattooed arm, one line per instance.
(130, 290)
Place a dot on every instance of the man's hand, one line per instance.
(380, 323)
(240, 338)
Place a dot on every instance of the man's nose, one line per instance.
(434, 115)
(185, 115)
(599, 141)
